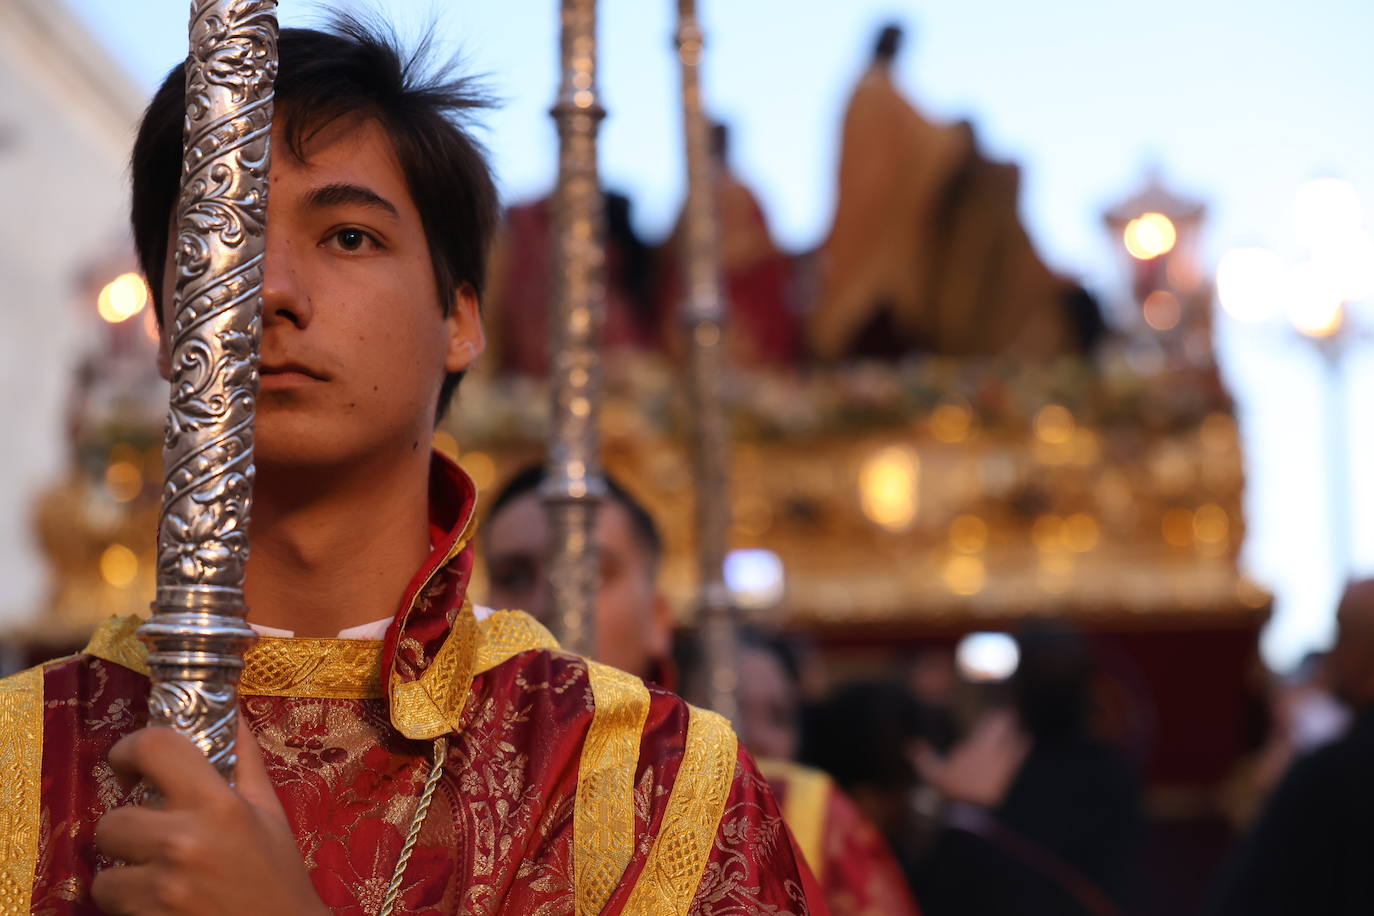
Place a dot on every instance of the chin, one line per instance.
(321, 439)
(294, 439)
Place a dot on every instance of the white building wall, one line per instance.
(67, 117)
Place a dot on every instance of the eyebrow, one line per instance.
(335, 195)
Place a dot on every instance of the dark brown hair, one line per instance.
(529, 479)
(352, 68)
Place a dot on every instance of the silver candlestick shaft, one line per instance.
(705, 319)
(574, 486)
(197, 634)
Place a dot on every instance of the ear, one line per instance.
(660, 627)
(164, 356)
(466, 341)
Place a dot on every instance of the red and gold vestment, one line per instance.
(566, 786)
(849, 858)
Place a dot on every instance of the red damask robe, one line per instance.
(567, 786)
(856, 870)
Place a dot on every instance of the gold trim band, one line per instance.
(21, 760)
(804, 796)
(683, 846)
(604, 818)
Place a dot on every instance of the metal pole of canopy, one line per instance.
(197, 633)
(705, 317)
(573, 485)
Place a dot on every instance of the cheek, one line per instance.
(396, 332)
(617, 612)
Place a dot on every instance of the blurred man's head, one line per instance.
(768, 689)
(1053, 681)
(1351, 662)
(889, 43)
(633, 620)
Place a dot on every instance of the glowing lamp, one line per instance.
(1149, 235)
(1251, 284)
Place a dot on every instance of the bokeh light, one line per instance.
(1149, 236)
(122, 298)
(755, 578)
(445, 443)
(1054, 424)
(1314, 300)
(1161, 310)
(481, 468)
(1251, 283)
(950, 422)
(118, 566)
(964, 574)
(123, 480)
(987, 657)
(888, 483)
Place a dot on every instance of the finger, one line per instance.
(171, 763)
(250, 777)
(124, 890)
(135, 834)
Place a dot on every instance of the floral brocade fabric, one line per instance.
(538, 808)
(852, 862)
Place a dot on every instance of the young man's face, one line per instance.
(355, 342)
(633, 621)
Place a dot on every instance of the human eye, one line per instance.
(352, 240)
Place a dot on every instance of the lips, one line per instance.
(291, 368)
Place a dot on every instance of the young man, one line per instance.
(399, 748)
(858, 874)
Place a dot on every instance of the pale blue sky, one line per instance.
(1237, 102)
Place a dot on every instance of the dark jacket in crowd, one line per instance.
(1311, 851)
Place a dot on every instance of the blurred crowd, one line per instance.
(925, 787)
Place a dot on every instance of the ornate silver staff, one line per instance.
(197, 634)
(705, 318)
(574, 487)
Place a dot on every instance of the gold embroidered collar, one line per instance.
(278, 666)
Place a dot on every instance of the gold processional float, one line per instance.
(927, 495)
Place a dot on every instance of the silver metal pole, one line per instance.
(574, 486)
(705, 318)
(197, 634)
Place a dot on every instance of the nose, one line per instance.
(284, 301)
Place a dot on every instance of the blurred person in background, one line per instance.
(877, 262)
(762, 331)
(1296, 714)
(933, 678)
(1311, 847)
(522, 281)
(634, 624)
(1040, 789)
(850, 858)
